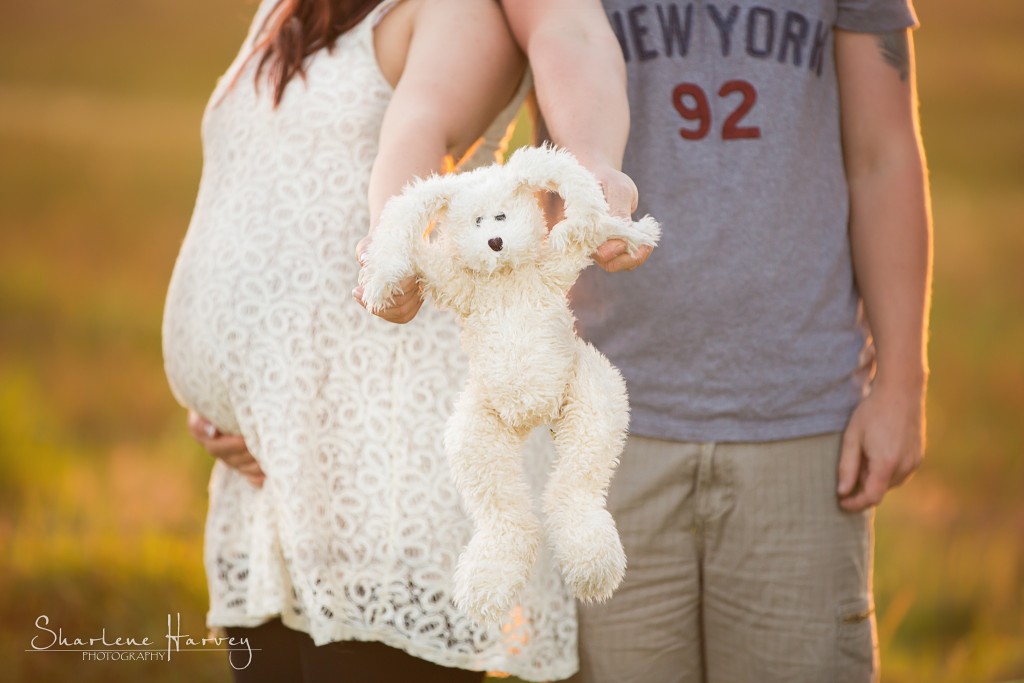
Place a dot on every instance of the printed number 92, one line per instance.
(692, 104)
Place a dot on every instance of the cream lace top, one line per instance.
(356, 532)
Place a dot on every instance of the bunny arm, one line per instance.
(587, 223)
(561, 262)
(392, 255)
(570, 246)
(556, 170)
(451, 286)
(642, 233)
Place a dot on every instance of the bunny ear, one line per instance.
(399, 232)
(556, 170)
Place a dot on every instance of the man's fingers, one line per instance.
(906, 467)
(849, 462)
(620, 264)
(609, 251)
(629, 261)
(870, 494)
(614, 258)
(876, 473)
(874, 490)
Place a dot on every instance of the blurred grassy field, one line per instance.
(102, 495)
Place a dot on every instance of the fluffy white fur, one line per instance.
(491, 261)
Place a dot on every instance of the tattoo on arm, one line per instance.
(895, 50)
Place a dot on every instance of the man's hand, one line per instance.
(229, 448)
(405, 306)
(621, 194)
(613, 256)
(882, 445)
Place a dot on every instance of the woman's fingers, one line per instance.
(230, 448)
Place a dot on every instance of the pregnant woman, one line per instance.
(339, 566)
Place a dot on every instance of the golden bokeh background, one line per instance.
(102, 494)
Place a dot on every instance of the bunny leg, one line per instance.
(589, 437)
(486, 461)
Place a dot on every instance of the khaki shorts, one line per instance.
(742, 567)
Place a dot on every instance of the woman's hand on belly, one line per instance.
(227, 447)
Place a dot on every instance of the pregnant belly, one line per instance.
(194, 358)
(230, 295)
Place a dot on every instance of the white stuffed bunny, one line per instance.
(492, 262)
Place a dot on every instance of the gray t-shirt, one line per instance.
(745, 324)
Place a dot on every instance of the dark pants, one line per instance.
(283, 655)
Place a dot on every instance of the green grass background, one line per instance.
(102, 494)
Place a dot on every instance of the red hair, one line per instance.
(298, 28)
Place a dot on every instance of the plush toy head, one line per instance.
(493, 224)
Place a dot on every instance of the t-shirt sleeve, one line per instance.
(875, 16)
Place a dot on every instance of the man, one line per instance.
(778, 145)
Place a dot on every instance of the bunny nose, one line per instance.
(494, 243)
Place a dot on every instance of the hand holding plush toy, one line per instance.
(492, 261)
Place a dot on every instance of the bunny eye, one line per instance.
(478, 219)
(500, 216)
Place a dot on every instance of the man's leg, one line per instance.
(649, 630)
(787, 573)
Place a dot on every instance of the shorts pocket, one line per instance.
(856, 653)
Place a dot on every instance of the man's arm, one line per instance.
(580, 78)
(890, 235)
